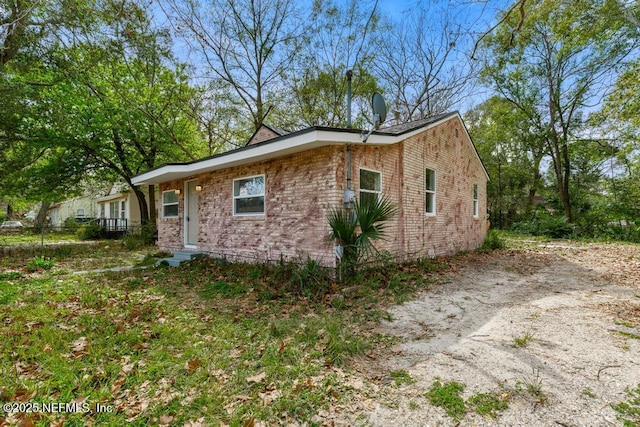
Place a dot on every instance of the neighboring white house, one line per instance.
(119, 209)
(114, 206)
(77, 208)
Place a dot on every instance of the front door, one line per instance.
(191, 214)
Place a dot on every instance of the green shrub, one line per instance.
(71, 225)
(40, 262)
(355, 230)
(131, 242)
(545, 224)
(90, 231)
(310, 278)
(149, 234)
(493, 241)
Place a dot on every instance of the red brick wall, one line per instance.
(170, 230)
(453, 228)
(263, 134)
(299, 190)
(388, 161)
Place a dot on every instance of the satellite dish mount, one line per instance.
(379, 113)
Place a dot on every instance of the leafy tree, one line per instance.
(29, 30)
(619, 120)
(512, 155)
(105, 104)
(320, 97)
(125, 109)
(36, 25)
(551, 61)
(339, 38)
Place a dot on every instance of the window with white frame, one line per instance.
(475, 200)
(370, 186)
(80, 213)
(123, 211)
(169, 204)
(102, 210)
(248, 195)
(430, 191)
(113, 210)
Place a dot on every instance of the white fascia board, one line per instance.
(306, 141)
(111, 197)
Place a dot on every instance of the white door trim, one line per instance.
(185, 230)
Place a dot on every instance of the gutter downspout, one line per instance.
(349, 194)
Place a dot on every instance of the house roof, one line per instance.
(111, 197)
(290, 143)
(401, 128)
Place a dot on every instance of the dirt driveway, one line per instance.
(552, 328)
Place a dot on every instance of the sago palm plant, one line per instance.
(357, 229)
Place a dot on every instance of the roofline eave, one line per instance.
(306, 139)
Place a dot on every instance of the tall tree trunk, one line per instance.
(41, 219)
(142, 203)
(537, 177)
(152, 206)
(9, 211)
(566, 200)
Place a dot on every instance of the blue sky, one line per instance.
(474, 17)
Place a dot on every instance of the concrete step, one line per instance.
(173, 262)
(182, 256)
(187, 255)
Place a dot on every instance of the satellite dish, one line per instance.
(379, 109)
(379, 113)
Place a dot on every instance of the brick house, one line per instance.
(270, 198)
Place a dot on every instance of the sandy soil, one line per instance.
(572, 301)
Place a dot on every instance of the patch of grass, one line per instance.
(447, 396)
(629, 411)
(629, 335)
(7, 292)
(184, 343)
(623, 323)
(28, 238)
(522, 341)
(10, 275)
(227, 342)
(588, 393)
(533, 385)
(152, 258)
(221, 288)
(401, 377)
(489, 404)
(74, 256)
